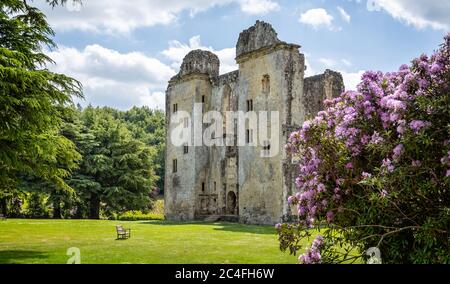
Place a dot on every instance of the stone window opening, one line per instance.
(185, 149)
(249, 136)
(214, 186)
(175, 108)
(249, 105)
(265, 84)
(203, 187)
(175, 165)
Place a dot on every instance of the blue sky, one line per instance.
(125, 51)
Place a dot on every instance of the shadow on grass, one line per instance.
(14, 256)
(221, 226)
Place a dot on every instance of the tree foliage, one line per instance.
(33, 101)
(117, 170)
(44, 138)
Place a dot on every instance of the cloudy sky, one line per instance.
(125, 51)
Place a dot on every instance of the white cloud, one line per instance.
(344, 15)
(310, 71)
(346, 62)
(351, 80)
(317, 18)
(259, 7)
(419, 13)
(177, 50)
(120, 80)
(328, 62)
(227, 59)
(74, 6)
(122, 17)
(123, 80)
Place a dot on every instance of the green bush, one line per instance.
(135, 215)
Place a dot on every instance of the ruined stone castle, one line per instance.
(235, 182)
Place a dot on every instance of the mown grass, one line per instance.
(47, 241)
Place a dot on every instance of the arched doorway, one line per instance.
(231, 203)
(204, 206)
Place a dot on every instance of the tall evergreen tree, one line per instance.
(148, 126)
(116, 173)
(33, 101)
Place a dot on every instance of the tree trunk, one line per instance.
(56, 208)
(3, 206)
(79, 213)
(94, 206)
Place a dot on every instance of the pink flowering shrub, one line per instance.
(374, 169)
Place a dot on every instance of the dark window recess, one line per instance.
(249, 105)
(175, 108)
(249, 136)
(185, 149)
(203, 99)
(203, 186)
(175, 165)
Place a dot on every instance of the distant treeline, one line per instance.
(120, 167)
(58, 160)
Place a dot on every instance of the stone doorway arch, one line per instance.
(231, 203)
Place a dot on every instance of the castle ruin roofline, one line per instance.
(266, 50)
(198, 62)
(259, 39)
(326, 73)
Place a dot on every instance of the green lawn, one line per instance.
(46, 241)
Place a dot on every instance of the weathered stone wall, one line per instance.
(223, 160)
(193, 82)
(260, 54)
(180, 198)
(238, 180)
(320, 87)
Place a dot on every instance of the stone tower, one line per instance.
(271, 76)
(238, 182)
(185, 164)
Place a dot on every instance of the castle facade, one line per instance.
(236, 182)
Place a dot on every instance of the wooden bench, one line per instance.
(2, 217)
(122, 233)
